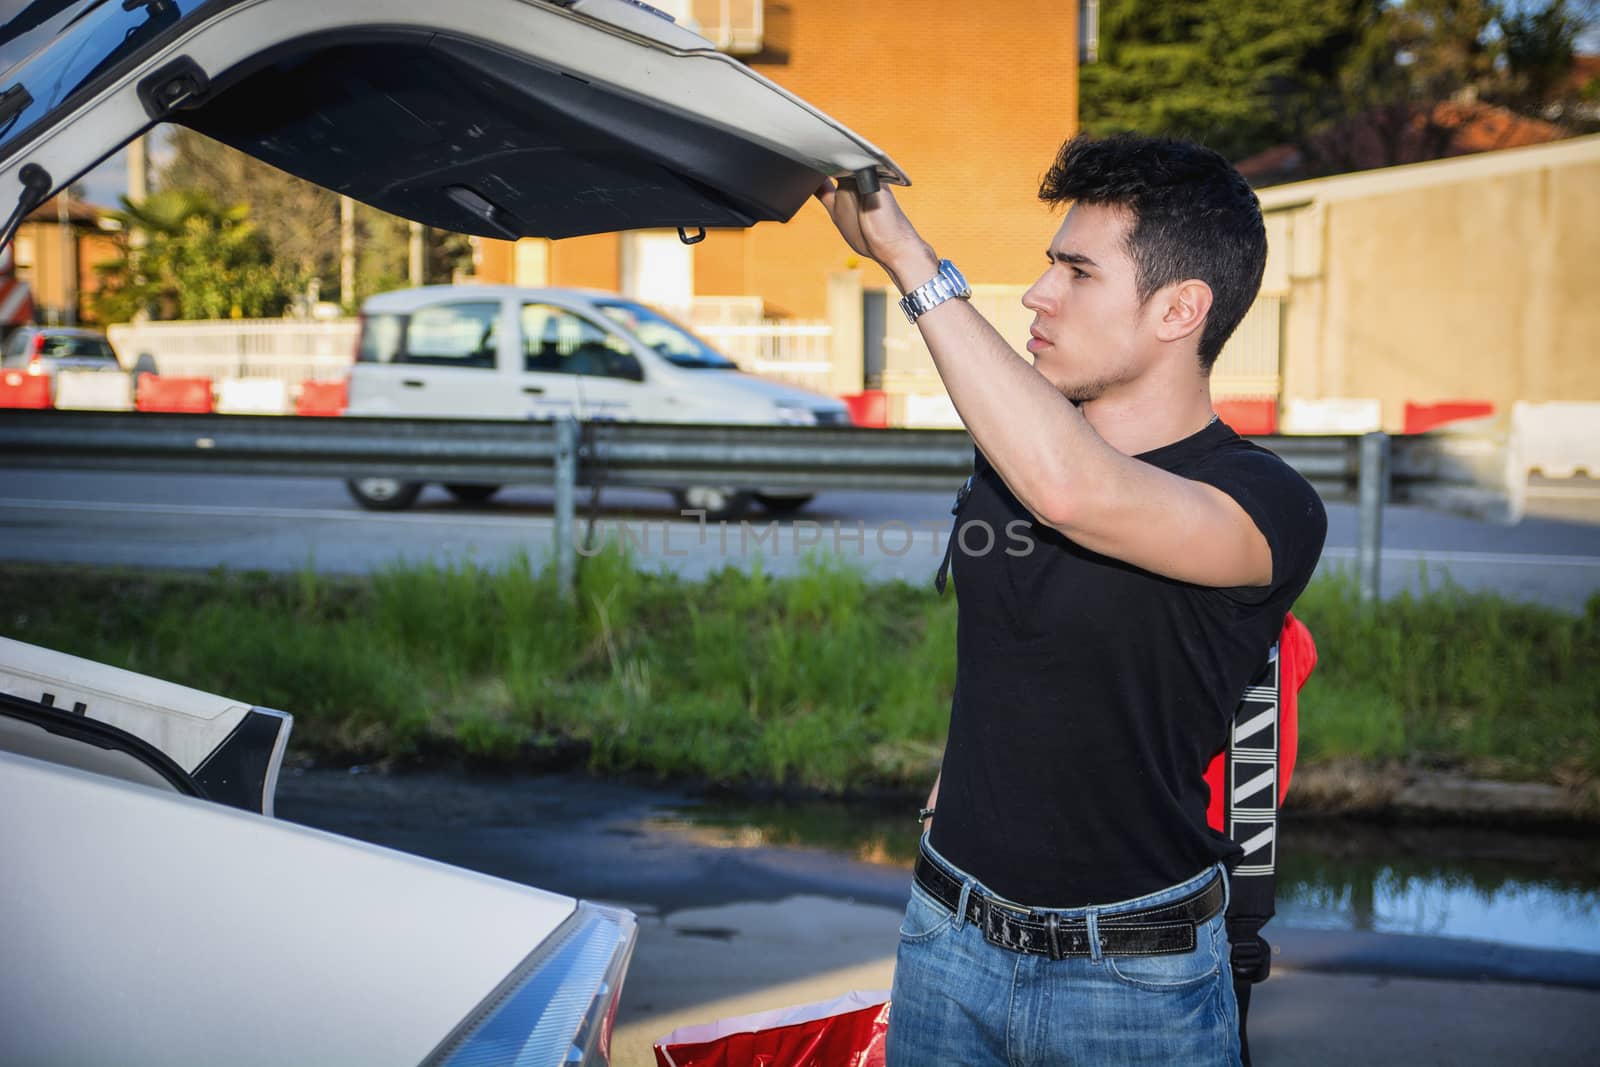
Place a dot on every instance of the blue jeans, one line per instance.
(960, 1000)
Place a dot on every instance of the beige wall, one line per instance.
(1474, 279)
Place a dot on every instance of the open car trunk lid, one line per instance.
(223, 749)
(502, 118)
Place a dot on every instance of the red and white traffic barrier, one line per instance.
(323, 399)
(1420, 418)
(253, 396)
(188, 396)
(19, 389)
(1249, 416)
(85, 390)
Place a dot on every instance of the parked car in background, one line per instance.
(146, 882)
(502, 352)
(48, 350)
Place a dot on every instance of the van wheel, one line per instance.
(383, 494)
(717, 502)
(783, 504)
(471, 494)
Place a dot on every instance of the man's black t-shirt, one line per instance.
(1090, 694)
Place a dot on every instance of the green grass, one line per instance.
(1455, 679)
(820, 681)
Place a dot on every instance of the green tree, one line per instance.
(1239, 76)
(1540, 43)
(1352, 82)
(301, 221)
(185, 256)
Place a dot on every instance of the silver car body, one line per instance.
(144, 876)
(167, 930)
(49, 350)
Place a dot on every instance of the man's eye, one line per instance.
(1079, 272)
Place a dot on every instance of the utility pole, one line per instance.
(138, 191)
(347, 253)
(138, 170)
(418, 263)
(69, 257)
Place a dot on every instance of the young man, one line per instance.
(1068, 902)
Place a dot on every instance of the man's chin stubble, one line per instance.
(1083, 392)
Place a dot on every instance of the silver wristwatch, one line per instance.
(948, 284)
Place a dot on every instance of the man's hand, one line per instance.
(875, 227)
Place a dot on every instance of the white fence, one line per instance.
(1249, 365)
(294, 351)
(793, 352)
(286, 350)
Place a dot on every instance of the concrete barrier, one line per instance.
(1557, 440)
(83, 390)
(253, 396)
(931, 410)
(1333, 415)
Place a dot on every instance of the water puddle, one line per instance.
(1513, 888)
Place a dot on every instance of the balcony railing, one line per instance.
(734, 26)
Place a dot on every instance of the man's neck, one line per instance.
(1136, 420)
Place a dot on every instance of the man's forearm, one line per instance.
(1043, 448)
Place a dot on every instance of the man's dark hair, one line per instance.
(1193, 216)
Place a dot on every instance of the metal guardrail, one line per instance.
(565, 454)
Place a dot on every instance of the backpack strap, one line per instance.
(943, 574)
(1249, 802)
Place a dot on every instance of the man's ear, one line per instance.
(1183, 307)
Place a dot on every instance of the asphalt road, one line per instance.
(193, 521)
(730, 925)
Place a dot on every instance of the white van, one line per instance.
(502, 352)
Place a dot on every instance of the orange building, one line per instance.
(972, 100)
(58, 248)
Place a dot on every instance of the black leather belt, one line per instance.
(1164, 930)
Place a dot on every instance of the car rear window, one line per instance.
(58, 347)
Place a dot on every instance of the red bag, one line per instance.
(845, 1032)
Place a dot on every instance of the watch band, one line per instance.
(948, 284)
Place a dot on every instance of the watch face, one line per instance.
(957, 280)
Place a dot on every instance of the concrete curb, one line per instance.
(1356, 789)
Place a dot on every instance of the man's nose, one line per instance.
(1036, 299)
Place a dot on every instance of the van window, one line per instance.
(558, 341)
(380, 338)
(678, 345)
(452, 335)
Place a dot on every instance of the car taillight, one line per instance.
(36, 357)
(558, 1006)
